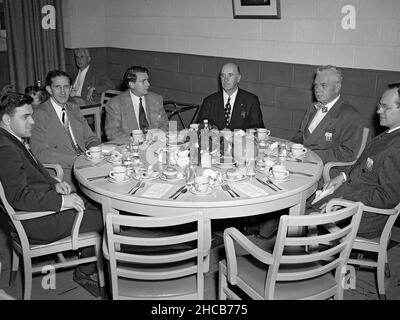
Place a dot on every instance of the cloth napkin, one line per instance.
(249, 189)
(157, 190)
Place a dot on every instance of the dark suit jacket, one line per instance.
(246, 111)
(343, 123)
(51, 144)
(374, 180)
(94, 78)
(121, 119)
(27, 184)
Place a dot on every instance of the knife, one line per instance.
(177, 191)
(98, 177)
(266, 184)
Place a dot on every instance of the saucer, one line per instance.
(263, 170)
(112, 180)
(164, 178)
(239, 177)
(107, 149)
(270, 176)
(94, 160)
(152, 176)
(224, 165)
(194, 191)
(290, 155)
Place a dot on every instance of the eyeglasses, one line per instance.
(385, 107)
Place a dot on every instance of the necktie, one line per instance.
(227, 111)
(142, 117)
(65, 122)
(321, 106)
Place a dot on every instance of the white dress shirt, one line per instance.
(231, 102)
(80, 78)
(135, 101)
(319, 115)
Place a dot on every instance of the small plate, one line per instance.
(152, 176)
(224, 165)
(112, 180)
(239, 177)
(94, 160)
(290, 155)
(194, 191)
(164, 178)
(270, 176)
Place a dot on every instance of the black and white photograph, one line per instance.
(189, 153)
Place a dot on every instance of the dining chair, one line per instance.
(329, 165)
(291, 271)
(377, 246)
(22, 247)
(173, 108)
(55, 170)
(107, 95)
(141, 266)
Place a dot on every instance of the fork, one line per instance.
(225, 188)
(273, 184)
(142, 184)
(229, 188)
(136, 186)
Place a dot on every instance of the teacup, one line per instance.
(94, 152)
(298, 150)
(280, 172)
(118, 173)
(268, 162)
(201, 183)
(263, 133)
(194, 126)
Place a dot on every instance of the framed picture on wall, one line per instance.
(256, 9)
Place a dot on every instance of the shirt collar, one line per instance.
(232, 96)
(135, 98)
(329, 105)
(393, 129)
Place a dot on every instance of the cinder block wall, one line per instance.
(284, 89)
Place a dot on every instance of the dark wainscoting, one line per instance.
(284, 89)
(4, 73)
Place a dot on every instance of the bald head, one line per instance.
(230, 77)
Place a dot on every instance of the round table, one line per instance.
(217, 205)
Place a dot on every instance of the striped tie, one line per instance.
(227, 112)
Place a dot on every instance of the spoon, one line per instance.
(183, 191)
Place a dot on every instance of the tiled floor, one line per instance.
(67, 289)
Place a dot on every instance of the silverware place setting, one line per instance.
(273, 184)
(230, 191)
(183, 191)
(301, 173)
(267, 184)
(97, 178)
(176, 192)
(89, 165)
(302, 161)
(141, 185)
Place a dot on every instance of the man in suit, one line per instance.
(331, 128)
(88, 83)
(231, 108)
(29, 187)
(374, 178)
(61, 132)
(136, 108)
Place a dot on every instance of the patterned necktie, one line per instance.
(65, 122)
(142, 117)
(26, 144)
(227, 112)
(321, 106)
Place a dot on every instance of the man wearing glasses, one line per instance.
(374, 178)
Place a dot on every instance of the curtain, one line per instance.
(32, 49)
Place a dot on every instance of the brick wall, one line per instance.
(284, 89)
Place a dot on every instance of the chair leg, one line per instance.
(222, 282)
(387, 268)
(27, 277)
(381, 275)
(14, 268)
(100, 270)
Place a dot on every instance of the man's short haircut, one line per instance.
(333, 69)
(10, 101)
(56, 73)
(130, 74)
(396, 86)
(84, 50)
(237, 67)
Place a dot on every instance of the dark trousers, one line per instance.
(57, 226)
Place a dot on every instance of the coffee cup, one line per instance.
(170, 173)
(94, 152)
(298, 150)
(201, 183)
(280, 172)
(263, 133)
(118, 173)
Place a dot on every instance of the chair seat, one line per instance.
(254, 273)
(157, 289)
(67, 240)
